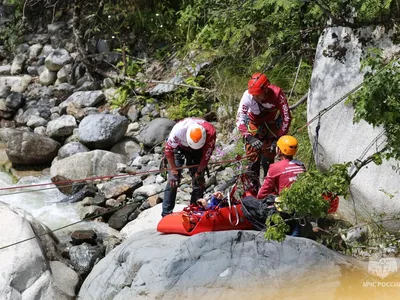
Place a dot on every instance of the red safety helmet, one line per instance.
(258, 83)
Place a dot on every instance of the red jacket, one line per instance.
(177, 138)
(280, 175)
(276, 106)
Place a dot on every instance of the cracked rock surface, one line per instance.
(214, 265)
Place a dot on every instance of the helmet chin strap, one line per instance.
(264, 99)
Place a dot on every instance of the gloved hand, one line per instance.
(273, 146)
(254, 142)
(202, 202)
(173, 179)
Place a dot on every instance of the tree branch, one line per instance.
(78, 37)
(126, 78)
(337, 21)
(365, 162)
(302, 100)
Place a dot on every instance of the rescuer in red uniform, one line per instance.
(262, 118)
(284, 172)
(193, 140)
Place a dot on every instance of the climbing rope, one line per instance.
(74, 223)
(328, 108)
(315, 144)
(109, 177)
(374, 141)
(357, 165)
(360, 161)
(67, 183)
(238, 159)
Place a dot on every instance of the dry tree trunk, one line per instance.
(76, 25)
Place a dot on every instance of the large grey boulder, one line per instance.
(83, 257)
(181, 71)
(127, 147)
(18, 64)
(4, 91)
(34, 51)
(5, 70)
(29, 270)
(120, 186)
(335, 73)
(148, 190)
(155, 132)
(10, 80)
(168, 87)
(85, 165)
(71, 149)
(102, 131)
(14, 100)
(83, 99)
(149, 265)
(62, 74)
(36, 121)
(22, 117)
(28, 148)
(5, 112)
(63, 126)
(47, 77)
(57, 59)
(148, 219)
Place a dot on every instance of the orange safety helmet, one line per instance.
(257, 84)
(196, 136)
(288, 145)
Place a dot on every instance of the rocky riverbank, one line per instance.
(56, 121)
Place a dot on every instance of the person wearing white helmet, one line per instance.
(193, 140)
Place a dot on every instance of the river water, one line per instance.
(41, 202)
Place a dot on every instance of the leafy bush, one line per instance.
(276, 228)
(131, 67)
(186, 102)
(378, 101)
(304, 198)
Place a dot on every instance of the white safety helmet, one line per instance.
(196, 136)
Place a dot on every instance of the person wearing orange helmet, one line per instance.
(284, 172)
(281, 174)
(262, 118)
(193, 140)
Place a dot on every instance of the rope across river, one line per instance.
(237, 159)
(64, 183)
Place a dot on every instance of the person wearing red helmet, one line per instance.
(262, 118)
(193, 140)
